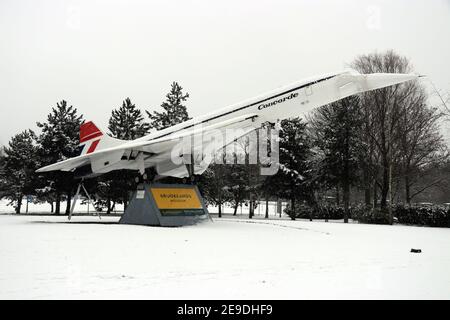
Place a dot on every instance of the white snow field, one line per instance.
(47, 257)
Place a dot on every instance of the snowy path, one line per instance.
(46, 257)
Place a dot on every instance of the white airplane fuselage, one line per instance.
(107, 154)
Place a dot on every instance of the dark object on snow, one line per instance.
(416, 250)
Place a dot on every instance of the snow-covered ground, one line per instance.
(49, 257)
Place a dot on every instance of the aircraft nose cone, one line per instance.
(381, 80)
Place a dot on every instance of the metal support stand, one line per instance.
(80, 187)
(146, 207)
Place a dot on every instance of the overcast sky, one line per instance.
(94, 54)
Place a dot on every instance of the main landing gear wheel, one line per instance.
(141, 179)
(191, 179)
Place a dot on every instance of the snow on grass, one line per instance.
(49, 257)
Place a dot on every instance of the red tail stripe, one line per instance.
(91, 136)
(93, 146)
(88, 130)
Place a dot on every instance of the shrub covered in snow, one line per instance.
(293, 214)
(320, 212)
(374, 216)
(433, 216)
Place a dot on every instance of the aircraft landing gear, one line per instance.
(141, 178)
(147, 177)
(191, 179)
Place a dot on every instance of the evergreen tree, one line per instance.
(18, 165)
(237, 182)
(127, 122)
(213, 184)
(3, 183)
(269, 191)
(59, 140)
(293, 179)
(336, 128)
(174, 110)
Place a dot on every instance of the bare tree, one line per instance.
(402, 133)
(444, 100)
(382, 111)
(420, 144)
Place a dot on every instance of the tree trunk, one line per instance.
(235, 208)
(385, 184)
(346, 181)
(108, 205)
(58, 203)
(69, 200)
(367, 198)
(279, 207)
(125, 201)
(219, 192)
(250, 194)
(375, 195)
(338, 196)
(391, 198)
(19, 204)
(294, 214)
(346, 199)
(266, 216)
(407, 190)
(366, 188)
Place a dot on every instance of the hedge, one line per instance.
(433, 216)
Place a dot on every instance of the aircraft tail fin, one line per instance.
(93, 139)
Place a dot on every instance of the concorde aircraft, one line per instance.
(101, 153)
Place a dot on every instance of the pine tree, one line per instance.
(293, 180)
(3, 184)
(213, 183)
(174, 110)
(127, 122)
(237, 182)
(59, 140)
(336, 128)
(18, 165)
